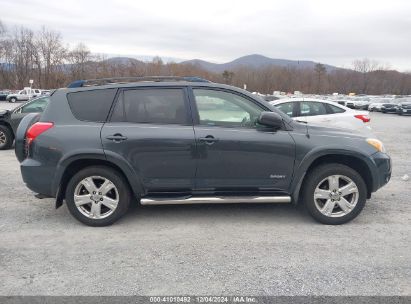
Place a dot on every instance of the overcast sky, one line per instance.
(333, 32)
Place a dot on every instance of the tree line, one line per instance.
(44, 57)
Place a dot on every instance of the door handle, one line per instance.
(208, 140)
(116, 137)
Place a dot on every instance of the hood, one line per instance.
(321, 130)
(330, 131)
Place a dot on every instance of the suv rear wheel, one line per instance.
(97, 196)
(334, 194)
(6, 138)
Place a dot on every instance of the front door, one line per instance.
(151, 129)
(235, 153)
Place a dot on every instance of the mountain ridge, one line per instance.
(254, 61)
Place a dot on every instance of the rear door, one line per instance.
(314, 111)
(151, 129)
(235, 154)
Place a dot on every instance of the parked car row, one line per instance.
(9, 120)
(379, 103)
(22, 95)
(399, 106)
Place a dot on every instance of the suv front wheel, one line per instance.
(97, 196)
(334, 194)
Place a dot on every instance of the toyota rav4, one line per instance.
(99, 144)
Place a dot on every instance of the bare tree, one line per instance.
(320, 71)
(228, 76)
(79, 58)
(52, 54)
(2, 38)
(21, 55)
(365, 67)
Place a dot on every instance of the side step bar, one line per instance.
(216, 200)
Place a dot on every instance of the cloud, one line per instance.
(334, 32)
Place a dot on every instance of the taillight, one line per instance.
(36, 129)
(364, 118)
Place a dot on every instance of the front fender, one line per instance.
(305, 163)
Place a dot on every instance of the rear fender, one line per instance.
(26, 122)
(94, 157)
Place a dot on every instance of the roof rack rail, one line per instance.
(120, 80)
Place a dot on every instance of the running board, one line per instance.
(216, 200)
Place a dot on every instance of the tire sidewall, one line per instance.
(319, 174)
(116, 178)
(9, 138)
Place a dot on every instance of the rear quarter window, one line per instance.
(91, 105)
(334, 109)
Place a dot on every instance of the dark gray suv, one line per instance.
(99, 144)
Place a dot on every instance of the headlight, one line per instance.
(377, 144)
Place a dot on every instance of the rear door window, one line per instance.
(331, 109)
(312, 108)
(151, 106)
(91, 105)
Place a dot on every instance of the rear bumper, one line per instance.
(37, 177)
(382, 170)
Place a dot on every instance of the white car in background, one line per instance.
(326, 113)
(23, 95)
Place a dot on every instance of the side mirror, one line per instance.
(270, 119)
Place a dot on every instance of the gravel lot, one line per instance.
(218, 250)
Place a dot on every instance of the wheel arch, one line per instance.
(73, 165)
(352, 160)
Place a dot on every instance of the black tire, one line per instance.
(314, 178)
(13, 100)
(6, 138)
(124, 195)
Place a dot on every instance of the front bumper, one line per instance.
(382, 170)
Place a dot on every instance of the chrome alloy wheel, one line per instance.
(3, 138)
(336, 196)
(96, 197)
